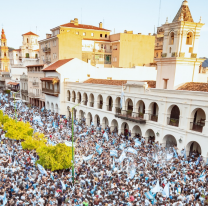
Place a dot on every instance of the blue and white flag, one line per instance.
(88, 157)
(121, 100)
(184, 153)
(113, 153)
(149, 195)
(52, 177)
(122, 146)
(137, 143)
(166, 191)
(99, 149)
(63, 186)
(42, 109)
(156, 158)
(106, 136)
(122, 157)
(201, 178)
(197, 162)
(132, 173)
(41, 169)
(157, 188)
(4, 199)
(113, 164)
(169, 156)
(175, 153)
(131, 150)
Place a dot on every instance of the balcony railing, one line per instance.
(131, 116)
(46, 49)
(24, 91)
(198, 127)
(85, 103)
(32, 95)
(91, 104)
(100, 106)
(153, 117)
(53, 92)
(118, 110)
(109, 108)
(36, 84)
(173, 122)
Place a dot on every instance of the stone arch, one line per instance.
(189, 38)
(169, 141)
(79, 97)
(81, 114)
(124, 128)
(174, 117)
(109, 103)
(154, 111)
(68, 96)
(73, 96)
(100, 101)
(85, 99)
(171, 38)
(56, 108)
(140, 108)
(92, 100)
(105, 122)
(114, 126)
(193, 147)
(89, 119)
(136, 131)
(198, 117)
(150, 135)
(52, 107)
(96, 120)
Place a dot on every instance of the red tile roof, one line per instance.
(17, 50)
(30, 33)
(106, 81)
(83, 26)
(37, 65)
(56, 65)
(194, 86)
(13, 83)
(151, 84)
(37, 50)
(49, 79)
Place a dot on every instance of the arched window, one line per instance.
(170, 50)
(171, 42)
(27, 40)
(189, 38)
(5, 54)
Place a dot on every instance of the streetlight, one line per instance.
(73, 141)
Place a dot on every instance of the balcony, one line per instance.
(173, 122)
(130, 116)
(100, 106)
(47, 61)
(153, 117)
(35, 84)
(91, 104)
(52, 92)
(160, 47)
(23, 91)
(46, 49)
(32, 95)
(197, 127)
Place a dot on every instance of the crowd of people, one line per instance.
(110, 169)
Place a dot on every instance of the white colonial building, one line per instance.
(170, 107)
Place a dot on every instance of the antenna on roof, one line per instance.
(159, 14)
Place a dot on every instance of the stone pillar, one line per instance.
(147, 114)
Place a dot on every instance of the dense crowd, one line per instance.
(110, 169)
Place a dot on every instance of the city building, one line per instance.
(96, 45)
(35, 95)
(173, 115)
(24, 87)
(159, 42)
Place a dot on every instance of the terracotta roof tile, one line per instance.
(13, 83)
(56, 65)
(36, 50)
(105, 81)
(30, 33)
(83, 26)
(194, 86)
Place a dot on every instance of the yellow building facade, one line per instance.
(4, 53)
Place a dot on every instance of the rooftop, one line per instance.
(56, 65)
(194, 86)
(30, 33)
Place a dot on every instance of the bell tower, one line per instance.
(179, 62)
(4, 57)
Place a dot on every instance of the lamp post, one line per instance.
(73, 141)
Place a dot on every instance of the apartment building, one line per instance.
(96, 45)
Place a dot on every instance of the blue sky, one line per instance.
(19, 17)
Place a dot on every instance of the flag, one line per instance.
(41, 169)
(122, 157)
(114, 141)
(201, 178)
(197, 161)
(156, 158)
(132, 173)
(137, 143)
(165, 192)
(63, 186)
(4, 199)
(87, 158)
(113, 164)
(52, 177)
(157, 188)
(176, 156)
(42, 109)
(106, 136)
(121, 100)
(149, 195)
(113, 153)
(99, 150)
(184, 153)
(169, 156)
(122, 146)
(131, 150)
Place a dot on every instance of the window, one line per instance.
(84, 33)
(51, 86)
(165, 83)
(115, 47)
(101, 46)
(170, 50)
(5, 54)
(92, 34)
(156, 54)
(77, 32)
(106, 35)
(27, 40)
(171, 38)
(189, 39)
(36, 56)
(101, 35)
(16, 55)
(190, 49)
(47, 85)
